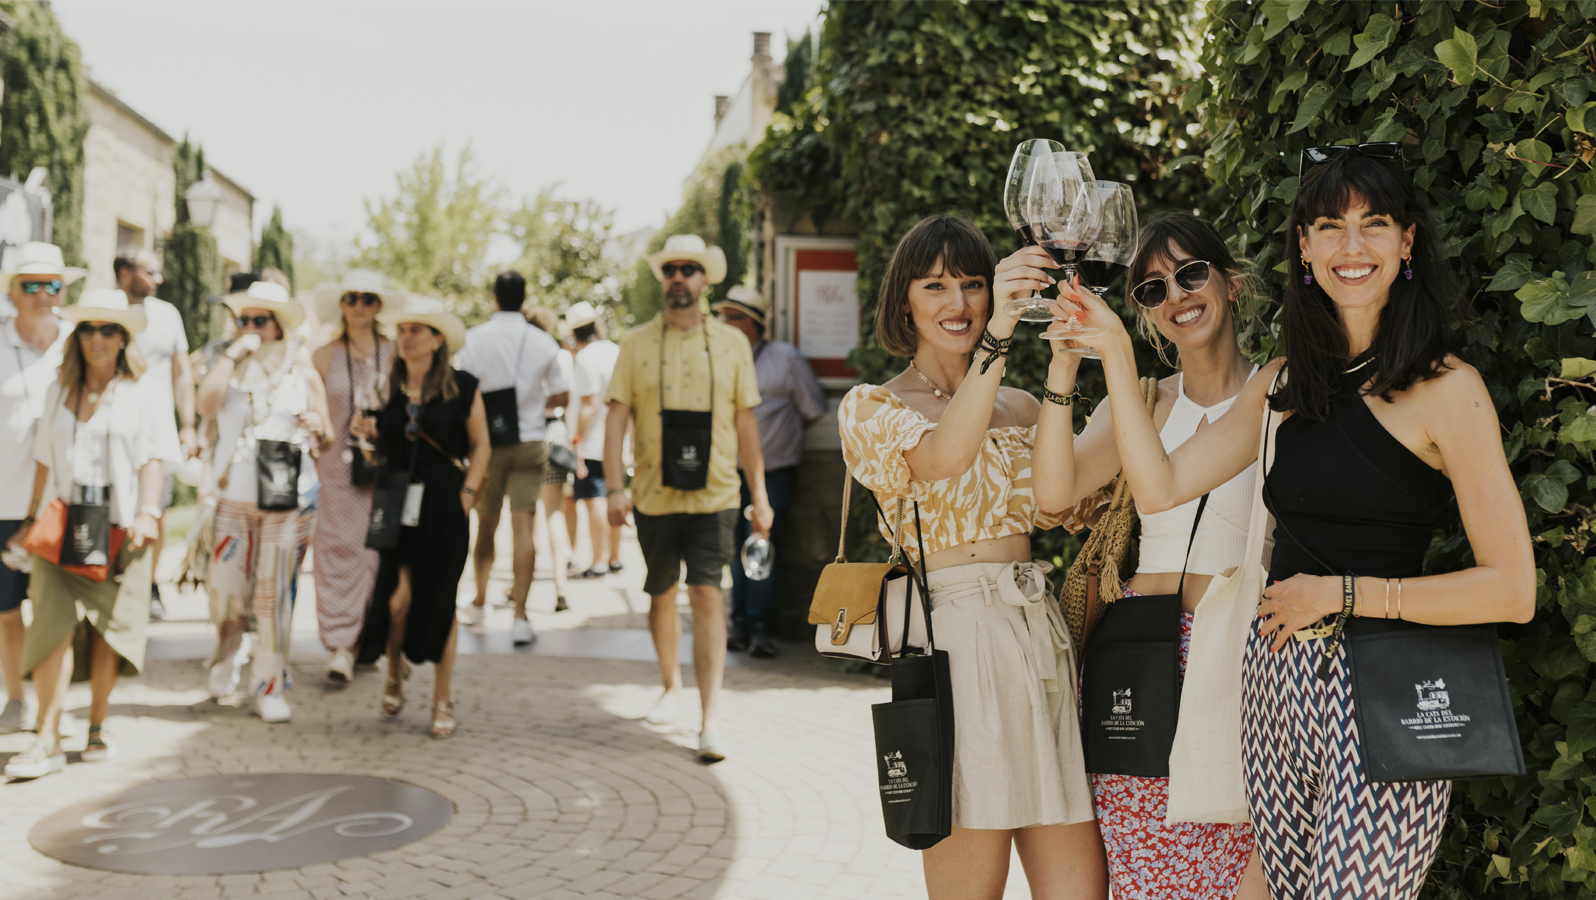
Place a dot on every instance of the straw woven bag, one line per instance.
(1095, 577)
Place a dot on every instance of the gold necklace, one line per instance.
(414, 394)
(928, 383)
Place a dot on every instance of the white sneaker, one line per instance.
(472, 615)
(521, 633)
(665, 709)
(11, 717)
(341, 668)
(37, 761)
(225, 674)
(710, 749)
(270, 705)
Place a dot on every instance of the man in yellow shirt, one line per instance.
(687, 383)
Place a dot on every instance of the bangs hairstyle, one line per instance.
(964, 253)
(1418, 326)
(1165, 231)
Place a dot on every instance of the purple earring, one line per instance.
(1407, 272)
(1307, 276)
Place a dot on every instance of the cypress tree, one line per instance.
(190, 261)
(276, 248)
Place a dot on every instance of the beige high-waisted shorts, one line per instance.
(1017, 758)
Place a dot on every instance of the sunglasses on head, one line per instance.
(1191, 277)
(257, 321)
(53, 286)
(413, 426)
(354, 298)
(106, 329)
(1379, 150)
(688, 270)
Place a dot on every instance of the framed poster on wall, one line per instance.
(817, 304)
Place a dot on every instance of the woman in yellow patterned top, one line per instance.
(945, 435)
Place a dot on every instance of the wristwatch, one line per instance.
(152, 511)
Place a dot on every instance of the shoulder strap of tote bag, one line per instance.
(1097, 559)
(842, 532)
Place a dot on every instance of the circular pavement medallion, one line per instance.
(240, 823)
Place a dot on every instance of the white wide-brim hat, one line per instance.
(747, 300)
(581, 313)
(38, 258)
(362, 281)
(273, 298)
(428, 311)
(104, 305)
(689, 248)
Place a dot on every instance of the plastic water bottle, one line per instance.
(758, 556)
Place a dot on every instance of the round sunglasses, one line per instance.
(1191, 276)
(51, 287)
(361, 299)
(257, 321)
(688, 270)
(106, 329)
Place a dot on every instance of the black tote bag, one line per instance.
(914, 733)
(277, 475)
(502, 408)
(1130, 683)
(685, 433)
(387, 505)
(87, 540)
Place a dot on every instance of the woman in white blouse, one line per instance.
(95, 444)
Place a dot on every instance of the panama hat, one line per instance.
(690, 247)
(39, 258)
(428, 311)
(747, 300)
(105, 305)
(363, 281)
(581, 313)
(273, 298)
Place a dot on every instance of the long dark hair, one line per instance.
(964, 252)
(1418, 326)
(437, 384)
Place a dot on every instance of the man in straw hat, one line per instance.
(33, 340)
(517, 367)
(164, 344)
(791, 401)
(593, 365)
(686, 383)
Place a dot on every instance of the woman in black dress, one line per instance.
(433, 427)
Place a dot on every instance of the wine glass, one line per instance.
(1016, 195)
(1066, 220)
(1111, 253)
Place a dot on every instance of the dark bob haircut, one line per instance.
(964, 253)
(1164, 231)
(1418, 326)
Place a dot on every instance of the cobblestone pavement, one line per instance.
(560, 789)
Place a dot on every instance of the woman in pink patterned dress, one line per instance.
(354, 364)
(1185, 287)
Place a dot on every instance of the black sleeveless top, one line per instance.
(444, 420)
(1352, 492)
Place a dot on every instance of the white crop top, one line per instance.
(1222, 535)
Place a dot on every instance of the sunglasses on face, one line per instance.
(1379, 150)
(1191, 277)
(52, 287)
(727, 315)
(363, 299)
(688, 270)
(257, 321)
(106, 329)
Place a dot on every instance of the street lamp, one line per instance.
(204, 200)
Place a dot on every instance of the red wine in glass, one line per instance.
(1025, 234)
(1065, 253)
(1100, 274)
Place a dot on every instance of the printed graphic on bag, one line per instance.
(1435, 712)
(897, 788)
(1122, 703)
(896, 767)
(1121, 718)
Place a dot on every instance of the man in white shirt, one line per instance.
(594, 363)
(164, 344)
(30, 355)
(519, 376)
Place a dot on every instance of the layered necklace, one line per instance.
(928, 382)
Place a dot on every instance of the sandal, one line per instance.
(393, 694)
(559, 603)
(443, 719)
(99, 747)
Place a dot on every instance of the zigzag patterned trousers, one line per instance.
(1323, 832)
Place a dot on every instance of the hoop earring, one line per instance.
(1307, 275)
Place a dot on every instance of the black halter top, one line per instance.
(1361, 500)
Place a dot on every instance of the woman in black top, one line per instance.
(433, 421)
(1382, 423)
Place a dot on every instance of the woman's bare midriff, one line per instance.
(1008, 548)
(1150, 583)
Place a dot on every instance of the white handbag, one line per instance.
(867, 610)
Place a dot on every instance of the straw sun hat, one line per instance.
(690, 248)
(581, 313)
(104, 305)
(39, 258)
(361, 281)
(427, 311)
(271, 297)
(746, 300)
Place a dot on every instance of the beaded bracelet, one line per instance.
(994, 347)
(1069, 399)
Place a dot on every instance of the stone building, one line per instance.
(129, 191)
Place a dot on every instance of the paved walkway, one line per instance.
(560, 789)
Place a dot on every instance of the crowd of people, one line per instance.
(372, 450)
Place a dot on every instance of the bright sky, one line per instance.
(316, 106)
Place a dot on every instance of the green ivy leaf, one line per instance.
(1548, 493)
(1376, 36)
(1560, 658)
(1580, 431)
(1582, 731)
(1339, 43)
(1584, 215)
(1564, 471)
(1460, 54)
(1560, 819)
(1576, 117)
(1540, 201)
(1578, 367)
(1313, 100)
(1514, 273)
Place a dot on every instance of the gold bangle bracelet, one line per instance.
(1399, 598)
(1387, 599)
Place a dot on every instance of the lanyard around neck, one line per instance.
(709, 355)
